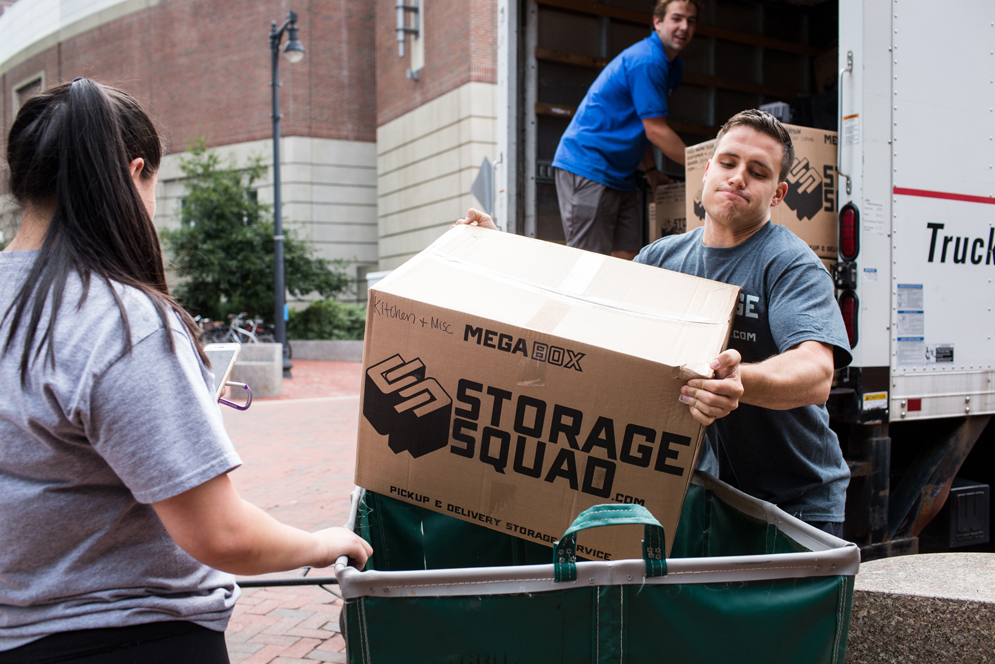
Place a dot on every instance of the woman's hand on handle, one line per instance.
(341, 542)
(213, 524)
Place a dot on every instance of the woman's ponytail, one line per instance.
(72, 147)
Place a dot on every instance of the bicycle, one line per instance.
(241, 331)
(211, 332)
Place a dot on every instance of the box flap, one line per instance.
(574, 294)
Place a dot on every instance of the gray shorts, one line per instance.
(596, 217)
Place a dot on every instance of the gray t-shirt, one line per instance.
(84, 449)
(790, 458)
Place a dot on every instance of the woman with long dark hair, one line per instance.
(119, 527)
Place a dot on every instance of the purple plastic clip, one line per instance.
(232, 404)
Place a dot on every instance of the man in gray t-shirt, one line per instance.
(769, 429)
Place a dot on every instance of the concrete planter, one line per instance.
(335, 351)
(924, 609)
(260, 366)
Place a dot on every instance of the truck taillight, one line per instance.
(849, 308)
(849, 232)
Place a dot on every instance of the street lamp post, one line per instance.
(294, 52)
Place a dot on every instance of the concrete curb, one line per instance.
(926, 608)
(334, 351)
(260, 366)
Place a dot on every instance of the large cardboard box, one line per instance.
(810, 207)
(513, 383)
(669, 211)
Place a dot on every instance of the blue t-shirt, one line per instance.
(606, 140)
(790, 457)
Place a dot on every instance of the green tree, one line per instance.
(223, 250)
(328, 319)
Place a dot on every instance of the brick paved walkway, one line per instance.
(299, 454)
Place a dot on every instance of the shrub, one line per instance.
(328, 319)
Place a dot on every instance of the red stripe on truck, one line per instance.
(902, 191)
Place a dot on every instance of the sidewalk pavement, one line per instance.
(299, 455)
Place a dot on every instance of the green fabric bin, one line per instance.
(745, 582)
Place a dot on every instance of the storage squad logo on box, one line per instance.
(511, 433)
(412, 410)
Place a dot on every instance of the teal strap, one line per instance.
(654, 538)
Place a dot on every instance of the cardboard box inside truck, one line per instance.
(669, 211)
(514, 383)
(809, 210)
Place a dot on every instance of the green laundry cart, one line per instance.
(745, 582)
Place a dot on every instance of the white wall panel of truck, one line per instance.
(920, 98)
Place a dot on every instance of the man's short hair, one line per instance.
(765, 123)
(660, 11)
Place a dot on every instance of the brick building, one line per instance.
(202, 68)
(435, 125)
(380, 148)
(376, 162)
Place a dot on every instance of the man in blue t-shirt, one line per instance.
(768, 429)
(609, 136)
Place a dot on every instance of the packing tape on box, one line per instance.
(573, 284)
(531, 372)
(684, 373)
(582, 273)
(548, 317)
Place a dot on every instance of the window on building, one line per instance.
(418, 42)
(27, 89)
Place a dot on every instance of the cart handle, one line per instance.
(232, 404)
(654, 538)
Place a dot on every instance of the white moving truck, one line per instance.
(910, 86)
